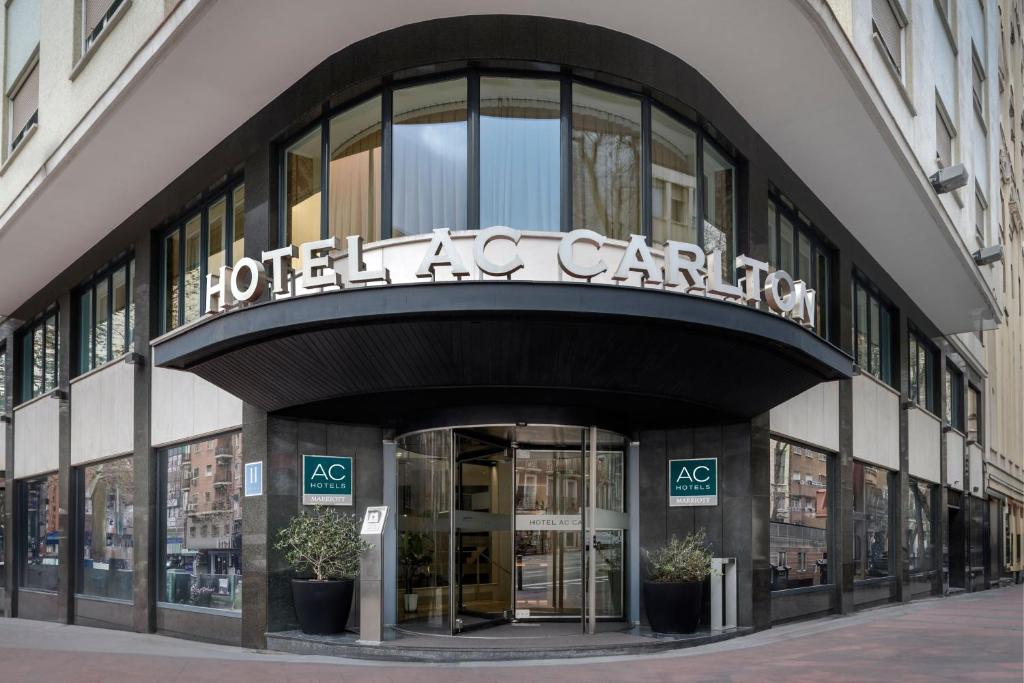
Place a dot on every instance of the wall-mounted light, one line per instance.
(4, 417)
(135, 359)
(59, 394)
(949, 178)
(986, 256)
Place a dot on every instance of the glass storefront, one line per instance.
(41, 509)
(871, 504)
(799, 516)
(491, 523)
(202, 525)
(920, 531)
(107, 498)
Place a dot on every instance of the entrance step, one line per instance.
(502, 643)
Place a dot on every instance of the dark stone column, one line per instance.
(940, 517)
(144, 465)
(257, 532)
(68, 512)
(842, 564)
(760, 531)
(10, 604)
(900, 541)
(281, 477)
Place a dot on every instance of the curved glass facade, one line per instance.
(533, 153)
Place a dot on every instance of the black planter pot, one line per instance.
(322, 606)
(673, 607)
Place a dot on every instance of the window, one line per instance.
(922, 364)
(21, 71)
(799, 514)
(40, 515)
(96, 16)
(980, 222)
(3, 379)
(793, 246)
(429, 170)
(520, 159)
(606, 162)
(107, 503)
(920, 532)
(873, 347)
(203, 570)
(354, 172)
(673, 179)
(945, 133)
(38, 357)
(3, 535)
(887, 23)
(954, 398)
(978, 83)
(106, 316)
(870, 521)
(974, 423)
(207, 239)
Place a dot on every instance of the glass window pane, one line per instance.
(216, 236)
(85, 331)
(118, 321)
(798, 516)
(803, 270)
(605, 162)
(520, 153)
(786, 245)
(674, 164)
(429, 158)
(38, 381)
(719, 205)
(302, 189)
(238, 223)
(172, 269)
(107, 501)
(862, 327)
(40, 505)
(130, 334)
(202, 543)
(822, 297)
(885, 353)
(354, 188)
(193, 230)
(101, 322)
(773, 236)
(875, 522)
(876, 363)
(50, 367)
(920, 537)
(25, 363)
(3, 393)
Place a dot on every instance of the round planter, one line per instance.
(673, 607)
(322, 606)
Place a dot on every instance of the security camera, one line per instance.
(949, 178)
(988, 255)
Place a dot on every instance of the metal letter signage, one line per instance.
(500, 252)
(326, 480)
(693, 482)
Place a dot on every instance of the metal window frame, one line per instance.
(872, 291)
(124, 261)
(473, 75)
(917, 340)
(26, 393)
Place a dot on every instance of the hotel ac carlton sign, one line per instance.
(502, 254)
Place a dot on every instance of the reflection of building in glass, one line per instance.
(870, 521)
(799, 516)
(919, 539)
(108, 505)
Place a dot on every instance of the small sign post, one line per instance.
(326, 480)
(371, 568)
(693, 482)
(254, 479)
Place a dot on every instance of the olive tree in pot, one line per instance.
(674, 589)
(325, 544)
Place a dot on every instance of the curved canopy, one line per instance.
(642, 357)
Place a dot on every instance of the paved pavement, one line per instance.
(976, 637)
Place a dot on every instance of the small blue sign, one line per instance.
(254, 478)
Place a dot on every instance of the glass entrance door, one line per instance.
(482, 548)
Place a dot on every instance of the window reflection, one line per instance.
(238, 223)
(870, 521)
(354, 172)
(193, 254)
(719, 205)
(172, 263)
(42, 533)
(799, 516)
(99, 353)
(3, 526)
(920, 538)
(606, 162)
(302, 189)
(202, 534)
(215, 236)
(520, 153)
(108, 504)
(429, 158)
(673, 179)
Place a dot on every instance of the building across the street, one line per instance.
(554, 282)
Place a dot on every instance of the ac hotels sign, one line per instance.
(501, 253)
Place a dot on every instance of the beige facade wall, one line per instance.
(36, 442)
(102, 413)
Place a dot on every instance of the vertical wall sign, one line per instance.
(326, 480)
(254, 478)
(693, 482)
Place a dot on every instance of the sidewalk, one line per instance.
(978, 637)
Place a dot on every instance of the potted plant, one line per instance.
(674, 589)
(416, 555)
(326, 544)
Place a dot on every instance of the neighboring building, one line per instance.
(514, 267)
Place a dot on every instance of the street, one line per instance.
(977, 637)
